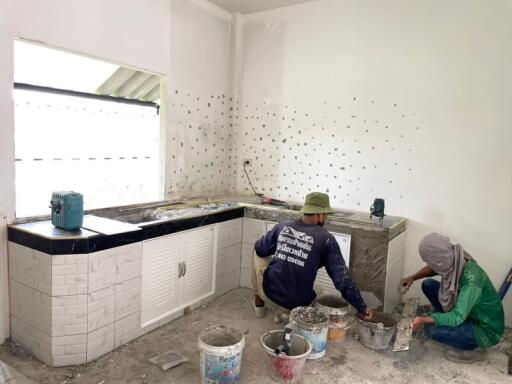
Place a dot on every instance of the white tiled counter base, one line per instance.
(229, 239)
(72, 309)
(253, 229)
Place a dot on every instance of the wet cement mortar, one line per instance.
(346, 362)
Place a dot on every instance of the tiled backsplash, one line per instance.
(200, 144)
(355, 150)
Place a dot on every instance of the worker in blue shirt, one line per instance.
(287, 259)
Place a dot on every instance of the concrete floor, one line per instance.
(347, 362)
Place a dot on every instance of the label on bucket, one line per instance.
(318, 340)
(224, 369)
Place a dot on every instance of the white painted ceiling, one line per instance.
(250, 6)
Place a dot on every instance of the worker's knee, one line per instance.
(429, 286)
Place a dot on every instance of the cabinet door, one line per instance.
(197, 256)
(160, 283)
(323, 281)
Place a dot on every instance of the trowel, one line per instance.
(404, 327)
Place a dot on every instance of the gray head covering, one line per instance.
(447, 260)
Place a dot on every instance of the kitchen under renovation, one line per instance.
(255, 191)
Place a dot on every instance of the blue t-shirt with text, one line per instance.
(298, 250)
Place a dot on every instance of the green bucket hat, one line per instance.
(316, 202)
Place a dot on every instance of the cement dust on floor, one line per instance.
(347, 362)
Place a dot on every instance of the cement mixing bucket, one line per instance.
(283, 368)
(377, 333)
(313, 324)
(220, 357)
(338, 311)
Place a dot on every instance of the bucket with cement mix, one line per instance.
(220, 357)
(286, 368)
(313, 324)
(378, 332)
(338, 312)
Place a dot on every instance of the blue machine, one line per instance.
(67, 210)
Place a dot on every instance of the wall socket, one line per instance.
(247, 162)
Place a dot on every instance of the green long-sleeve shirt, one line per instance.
(478, 303)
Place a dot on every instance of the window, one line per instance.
(84, 125)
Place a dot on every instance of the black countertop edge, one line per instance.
(169, 227)
(102, 242)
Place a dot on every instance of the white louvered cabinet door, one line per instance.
(197, 258)
(160, 282)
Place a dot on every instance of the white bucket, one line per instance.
(220, 357)
(313, 324)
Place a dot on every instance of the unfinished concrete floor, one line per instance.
(347, 362)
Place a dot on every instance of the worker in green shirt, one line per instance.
(468, 314)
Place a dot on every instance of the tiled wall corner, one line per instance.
(30, 267)
(69, 350)
(102, 269)
(228, 259)
(100, 342)
(253, 229)
(100, 308)
(69, 315)
(229, 233)
(69, 275)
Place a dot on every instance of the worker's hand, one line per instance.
(368, 315)
(417, 323)
(406, 283)
(421, 320)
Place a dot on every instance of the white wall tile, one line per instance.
(36, 342)
(228, 259)
(100, 342)
(30, 267)
(128, 296)
(245, 278)
(128, 329)
(128, 262)
(69, 275)
(253, 229)
(247, 255)
(31, 305)
(69, 315)
(100, 308)
(69, 350)
(227, 282)
(65, 361)
(102, 269)
(229, 233)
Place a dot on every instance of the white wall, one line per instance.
(200, 137)
(136, 33)
(409, 101)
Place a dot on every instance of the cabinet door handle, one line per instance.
(184, 268)
(180, 270)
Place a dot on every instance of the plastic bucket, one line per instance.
(220, 355)
(377, 333)
(283, 368)
(338, 311)
(313, 324)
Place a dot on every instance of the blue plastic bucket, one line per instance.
(220, 357)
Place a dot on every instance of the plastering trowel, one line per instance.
(404, 327)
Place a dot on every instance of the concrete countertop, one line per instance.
(103, 221)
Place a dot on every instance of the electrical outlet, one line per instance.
(247, 162)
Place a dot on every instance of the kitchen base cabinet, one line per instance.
(177, 271)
